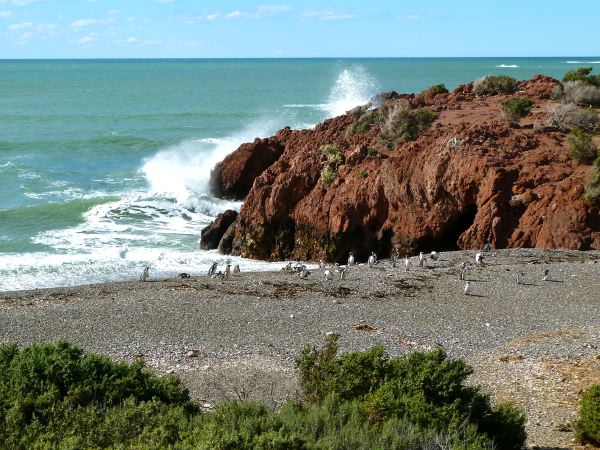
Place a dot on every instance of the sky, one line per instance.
(250, 29)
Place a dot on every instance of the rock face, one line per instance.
(467, 180)
(213, 233)
(233, 177)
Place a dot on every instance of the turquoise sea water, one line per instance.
(104, 163)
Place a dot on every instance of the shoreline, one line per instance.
(535, 343)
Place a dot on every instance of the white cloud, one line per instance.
(113, 12)
(89, 39)
(211, 17)
(259, 12)
(20, 26)
(130, 19)
(83, 23)
(234, 14)
(22, 2)
(5, 14)
(416, 17)
(326, 14)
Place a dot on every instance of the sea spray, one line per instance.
(183, 171)
(352, 87)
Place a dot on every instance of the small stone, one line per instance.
(192, 353)
(291, 316)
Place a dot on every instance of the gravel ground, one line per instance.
(535, 343)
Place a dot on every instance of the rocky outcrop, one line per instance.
(212, 235)
(233, 177)
(468, 180)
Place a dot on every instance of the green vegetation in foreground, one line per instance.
(587, 428)
(515, 108)
(582, 75)
(57, 396)
(436, 89)
(495, 84)
(581, 147)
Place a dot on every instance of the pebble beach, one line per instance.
(535, 343)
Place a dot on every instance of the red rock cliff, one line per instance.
(468, 179)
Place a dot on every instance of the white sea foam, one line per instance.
(583, 62)
(353, 87)
(109, 263)
(507, 66)
(183, 171)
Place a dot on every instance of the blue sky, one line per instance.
(204, 28)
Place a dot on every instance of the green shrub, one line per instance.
(592, 190)
(426, 389)
(363, 123)
(401, 124)
(334, 156)
(363, 174)
(435, 90)
(515, 108)
(587, 427)
(492, 84)
(372, 151)
(328, 175)
(581, 147)
(56, 396)
(582, 75)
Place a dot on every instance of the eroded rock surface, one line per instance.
(468, 180)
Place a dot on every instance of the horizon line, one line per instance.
(286, 57)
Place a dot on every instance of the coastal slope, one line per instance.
(467, 179)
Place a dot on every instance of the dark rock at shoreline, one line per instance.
(212, 235)
(468, 180)
(226, 243)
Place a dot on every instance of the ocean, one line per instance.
(104, 164)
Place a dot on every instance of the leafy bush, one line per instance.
(435, 90)
(427, 389)
(363, 174)
(328, 175)
(363, 123)
(587, 428)
(567, 116)
(492, 84)
(334, 156)
(56, 393)
(592, 191)
(582, 75)
(401, 124)
(581, 93)
(515, 108)
(581, 147)
(56, 396)
(372, 151)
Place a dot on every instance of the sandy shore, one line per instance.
(534, 343)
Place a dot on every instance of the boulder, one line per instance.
(212, 234)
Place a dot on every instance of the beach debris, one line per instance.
(365, 327)
(145, 274)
